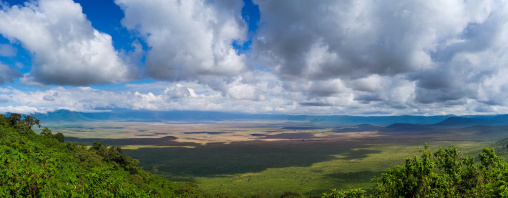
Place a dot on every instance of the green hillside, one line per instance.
(33, 165)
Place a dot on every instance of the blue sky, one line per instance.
(284, 57)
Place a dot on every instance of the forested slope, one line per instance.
(33, 165)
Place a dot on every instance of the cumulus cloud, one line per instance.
(326, 88)
(21, 109)
(178, 91)
(351, 57)
(167, 96)
(7, 74)
(66, 49)
(87, 99)
(243, 92)
(397, 54)
(187, 39)
(370, 83)
(252, 86)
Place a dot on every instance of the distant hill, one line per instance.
(358, 128)
(399, 127)
(125, 115)
(464, 121)
(204, 116)
(63, 115)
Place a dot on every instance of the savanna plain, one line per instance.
(245, 158)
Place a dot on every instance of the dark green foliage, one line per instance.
(49, 136)
(115, 156)
(4, 121)
(444, 173)
(31, 121)
(14, 118)
(34, 165)
(46, 132)
(60, 137)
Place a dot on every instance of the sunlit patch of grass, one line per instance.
(341, 172)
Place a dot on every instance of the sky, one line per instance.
(351, 57)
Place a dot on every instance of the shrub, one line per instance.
(444, 173)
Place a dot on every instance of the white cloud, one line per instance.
(371, 83)
(243, 92)
(86, 99)
(352, 57)
(178, 91)
(325, 88)
(66, 49)
(352, 39)
(21, 109)
(187, 39)
(397, 54)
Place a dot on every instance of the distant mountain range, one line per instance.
(204, 116)
(469, 121)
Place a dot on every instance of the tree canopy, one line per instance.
(443, 173)
(33, 165)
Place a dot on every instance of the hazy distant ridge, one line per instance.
(203, 116)
(467, 121)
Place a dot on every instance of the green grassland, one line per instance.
(343, 166)
(272, 158)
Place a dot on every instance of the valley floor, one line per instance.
(246, 158)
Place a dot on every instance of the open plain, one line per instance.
(272, 157)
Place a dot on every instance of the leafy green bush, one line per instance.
(444, 173)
